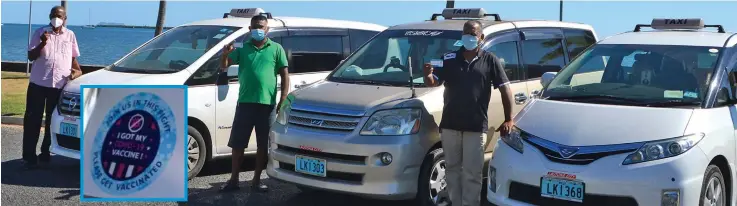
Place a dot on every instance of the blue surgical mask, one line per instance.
(258, 34)
(469, 42)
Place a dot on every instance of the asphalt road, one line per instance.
(59, 184)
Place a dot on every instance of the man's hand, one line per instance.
(75, 74)
(228, 49)
(44, 37)
(505, 127)
(427, 69)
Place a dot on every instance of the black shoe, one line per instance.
(260, 188)
(230, 186)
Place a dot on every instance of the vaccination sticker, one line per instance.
(133, 144)
(673, 94)
(691, 94)
(219, 36)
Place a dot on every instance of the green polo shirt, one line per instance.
(257, 71)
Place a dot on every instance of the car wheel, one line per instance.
(431, 185)
(713, 192)
(196, 152)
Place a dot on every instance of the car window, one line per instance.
(359, 37)
(577, 41)
(507, 53)
(174, 50)
(542, 55)
(313, 53)
(658, 73)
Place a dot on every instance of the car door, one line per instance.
(542, 51)
(227, 99)
(505, 45)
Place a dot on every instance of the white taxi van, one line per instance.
(190, 54)
(371, 127)
(640, 118)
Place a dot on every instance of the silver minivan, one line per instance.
(371, 127)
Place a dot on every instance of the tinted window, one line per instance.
(207, 73)
(542, 55)
(313, 43)
(313, 53)
(577, 41)
(507, 53)
(358, 37)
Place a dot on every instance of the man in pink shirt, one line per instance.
(54, 51)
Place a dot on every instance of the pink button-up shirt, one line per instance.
(54, 66)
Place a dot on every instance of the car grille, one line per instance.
(323, 121)
(68, 142)
(584, 155)
(331, 175)
(69, 104)
(531, 195)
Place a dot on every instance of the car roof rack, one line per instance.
(678, 24)
(467, 13)
(248, 13)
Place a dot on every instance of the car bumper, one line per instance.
(353, 163)
(67, 146)
(607, 181)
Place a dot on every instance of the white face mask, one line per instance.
(57, 22)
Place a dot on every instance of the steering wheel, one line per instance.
(396, 63)
(178, 64)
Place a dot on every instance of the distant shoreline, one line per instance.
(108, 26)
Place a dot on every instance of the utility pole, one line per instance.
(30, 10)
(561, 11)
(450, 4)
(160, 19)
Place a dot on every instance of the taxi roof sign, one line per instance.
(247, 13)
(464, 13)
(678, 24)
(693, 24)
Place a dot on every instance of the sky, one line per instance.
(607, 18)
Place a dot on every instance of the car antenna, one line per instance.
(411, 83)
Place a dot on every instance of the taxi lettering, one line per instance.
(462, 11)
(676, 21)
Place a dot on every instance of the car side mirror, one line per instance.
(547, 78)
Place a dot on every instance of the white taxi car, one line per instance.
(640, 118)
(190, 54)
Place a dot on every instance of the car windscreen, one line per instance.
(640, 75)
(384, 59)
(174, 50)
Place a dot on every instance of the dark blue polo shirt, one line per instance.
(468, 88)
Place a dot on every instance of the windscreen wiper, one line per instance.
(595, 96)
(671, 103)
(368, 82)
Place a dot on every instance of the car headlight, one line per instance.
(283, 115)
(393, 122)
(663, 149)
(514, 140)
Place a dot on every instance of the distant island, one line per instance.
(121, 25)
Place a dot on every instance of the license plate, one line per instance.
(310, 166)
(562, 189)
(68, 129)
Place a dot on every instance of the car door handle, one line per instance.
(520, 98)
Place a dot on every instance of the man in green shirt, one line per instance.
(259, 61)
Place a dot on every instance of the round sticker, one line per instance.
(713, 50)
(133, 144)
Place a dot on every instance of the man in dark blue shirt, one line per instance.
(469, 75)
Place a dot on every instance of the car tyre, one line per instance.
(433, 170)
(196, 152)
(713, 191)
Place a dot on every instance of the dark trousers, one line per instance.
(37, 98)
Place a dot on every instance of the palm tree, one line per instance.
(160, 19)
(576, 42)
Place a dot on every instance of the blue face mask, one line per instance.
(469, 42)
(258, 34)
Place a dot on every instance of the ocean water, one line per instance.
(98, 46)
